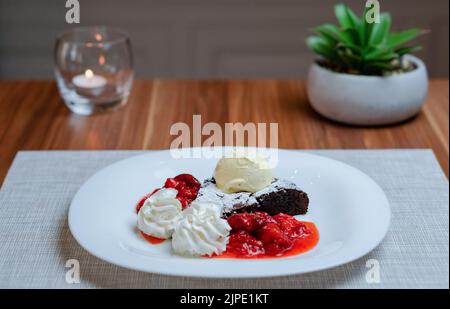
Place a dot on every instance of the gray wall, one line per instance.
(204, 38)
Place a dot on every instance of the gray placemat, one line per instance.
(35, 241)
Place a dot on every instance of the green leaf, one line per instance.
(355, 49)
(333, 33)
(365, 29)
(378, 53)
(320, 46)
(397, 39)
(381, 30)
(327, 31)
(354, 35)
(345, 16)
(352, 16)
(407, 50)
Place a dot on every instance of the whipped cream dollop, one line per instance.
(159, 214)
(243, 172)
(201, 231)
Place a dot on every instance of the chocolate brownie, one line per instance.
(281, 196)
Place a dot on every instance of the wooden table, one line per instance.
(33, 117)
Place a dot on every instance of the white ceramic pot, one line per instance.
(368, 100)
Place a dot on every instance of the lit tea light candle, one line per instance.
(89, 80)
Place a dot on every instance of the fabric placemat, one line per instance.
(35, 241)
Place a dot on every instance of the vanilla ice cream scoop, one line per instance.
(243, 172)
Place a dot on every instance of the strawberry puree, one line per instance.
(301, 245)
(152, 240)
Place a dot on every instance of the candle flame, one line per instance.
(89, 74)
(101, 60)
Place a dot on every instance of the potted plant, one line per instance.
(365, 74)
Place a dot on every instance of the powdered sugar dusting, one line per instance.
(209, 192)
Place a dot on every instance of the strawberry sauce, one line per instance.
(301, 245)
(152, 240)
(259, 235)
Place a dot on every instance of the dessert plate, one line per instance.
(349, 209)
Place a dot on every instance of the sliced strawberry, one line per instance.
(171, 183)
(263, 218)
(249, 222)
(243, 244)
(276, 235)
(270, 232)
(188, 193)
(243, 222)
(291, 226)
(274, 239)
(189, 181)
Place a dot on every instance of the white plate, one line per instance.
(349, 208)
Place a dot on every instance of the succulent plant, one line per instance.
(359, 47)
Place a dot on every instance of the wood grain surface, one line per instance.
(33, 117)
